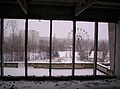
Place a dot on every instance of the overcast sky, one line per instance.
(62, 28)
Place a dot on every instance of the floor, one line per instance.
(71, 84)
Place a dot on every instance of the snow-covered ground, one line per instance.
(45, 72)
(64, 57)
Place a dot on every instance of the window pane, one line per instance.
(14, 47)
(84, 48)
(103, 55)
(62, 48)
(38, 47)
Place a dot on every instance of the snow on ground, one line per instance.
(45, 72)
(64, 57)
(72, 84)
(108, 67)
(54, 60)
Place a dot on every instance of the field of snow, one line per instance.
(45, 72)
(64, 57)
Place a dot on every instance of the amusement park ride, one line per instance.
(82, 38)
(81, 45)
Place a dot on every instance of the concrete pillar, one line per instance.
(0, 47)
(111, 29)
(117, 55)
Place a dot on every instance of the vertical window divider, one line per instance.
(50, 50)
(73, 47)
(95, 49)
(26, 47)
(2, 35)
(114, 51)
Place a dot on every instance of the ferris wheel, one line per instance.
(79, 33)
(81, 37)
(81, 42)
(82, 34)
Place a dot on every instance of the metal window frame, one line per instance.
(26, 43)
(95, 48)
(26, 47)
(73, 48)
(73, 52)
(50, 50)
(115, 49)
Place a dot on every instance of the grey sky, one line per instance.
(62, 28)
(103, 31)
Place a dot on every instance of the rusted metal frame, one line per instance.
(50, 49)
(73, 47)
(26, 47)
(95, 48)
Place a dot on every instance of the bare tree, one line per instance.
(103, 46)
(10, 29)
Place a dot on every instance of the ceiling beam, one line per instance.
(113, 3)
(104, 7)
(6, 2)
(23, 5)
(83, 5)
(51, 3)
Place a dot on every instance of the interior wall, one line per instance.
(111, 29)
(117, 56)
(0, 46)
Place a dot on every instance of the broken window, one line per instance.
(14, 47)
(38, 47)
(106, 43)
(62, 48)
(84, 47)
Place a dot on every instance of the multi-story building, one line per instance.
(33, 36)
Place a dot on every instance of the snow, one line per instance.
(55, 60)
(59, 60)
(99, 54)
(14, 71)
(108, 67)
(64, 57)
(45, 72)
(38, 72)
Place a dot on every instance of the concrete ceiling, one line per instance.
(83, 10)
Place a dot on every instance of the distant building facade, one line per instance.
(33, 36)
